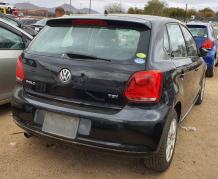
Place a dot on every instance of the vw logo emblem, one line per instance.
(65, 75)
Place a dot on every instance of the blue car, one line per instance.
(205, 37)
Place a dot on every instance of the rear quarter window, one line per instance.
(177, 41)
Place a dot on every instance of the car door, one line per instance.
(11, 46)
(198, 62)
(184, 67)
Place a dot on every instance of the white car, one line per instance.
(9, 7)
(13, 41)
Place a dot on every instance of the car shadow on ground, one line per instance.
(4, 109)
(72, 157)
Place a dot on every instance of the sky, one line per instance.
(100, 4)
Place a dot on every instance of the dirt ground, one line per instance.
(196, 152)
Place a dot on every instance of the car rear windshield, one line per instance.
(104, 41)
(216, 30)
(198, 31)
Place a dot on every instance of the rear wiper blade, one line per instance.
(83, 56)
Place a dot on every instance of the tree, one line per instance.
(131, 10)
(135, 11)
(172, 12)
(192, 12)
(216, 16)
(206, 12)
(159, 8)
(114, 8)
(155, 7)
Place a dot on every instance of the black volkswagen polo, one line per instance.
(117, 83)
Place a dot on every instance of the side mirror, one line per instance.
(203, 52)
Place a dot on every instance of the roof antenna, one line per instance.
(105, 12)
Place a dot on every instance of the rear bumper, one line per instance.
(209, 59)
(132, 130)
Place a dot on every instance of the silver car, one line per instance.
(13, 41)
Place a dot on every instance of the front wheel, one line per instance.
(216, 61)
(210, 71)
(201, 94)
(162, 160)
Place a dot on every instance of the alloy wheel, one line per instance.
(203, 88)
(171, 140)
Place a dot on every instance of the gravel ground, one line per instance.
(195, 157)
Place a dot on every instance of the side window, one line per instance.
(177, 42)
(213, 33)
(190, 42)
(166, 42)
(10, 41)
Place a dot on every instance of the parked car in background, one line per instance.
(117, 83)
(26, 21)
(9, 7)
(39, 25)
(206, 37)
(13, 41)
(11, 19)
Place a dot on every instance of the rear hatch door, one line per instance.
(200, 33)
(86, 62)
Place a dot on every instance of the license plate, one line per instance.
(60, 125)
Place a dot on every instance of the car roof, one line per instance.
(17, 28)
(144, 19)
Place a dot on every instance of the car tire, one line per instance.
(210, 72)
(216, 59)
(161, 161)
(201, 94)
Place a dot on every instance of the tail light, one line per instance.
(144, 86)
(207, 44)
(20, 70)
(89, 22)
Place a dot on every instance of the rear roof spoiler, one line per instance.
(135, 22)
